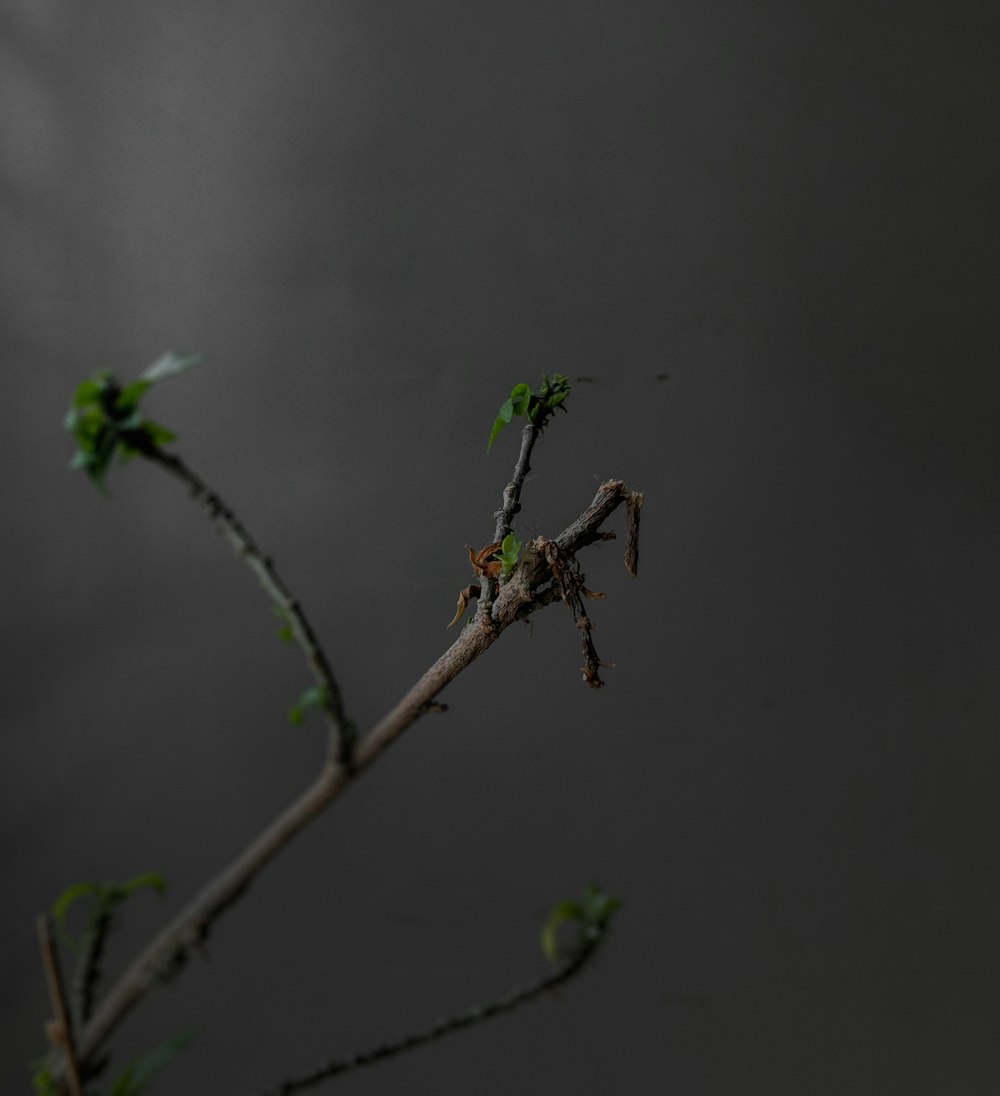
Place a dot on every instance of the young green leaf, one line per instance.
(286, 632)
(510, 551)
(591, 916)
(61, 907)
(42, 1080)
(504, 416)
(107, 896)
(170, 365)
(536, 406)
(152, 879)
(561, 913)
(315, 696)
(520, 397)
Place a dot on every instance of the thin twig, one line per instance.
(448, 1024)
(86, 976)
(512, 492)
(60, 1030)
(529, 588)
(341, 729)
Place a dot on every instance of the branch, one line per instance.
(512, 492)
(60, 1029)
(341, 729)
(449, 1024)
(530, 587)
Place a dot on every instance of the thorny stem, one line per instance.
(341, 729)
(529, 588)
(449, 1024)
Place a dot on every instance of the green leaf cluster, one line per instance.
(591, 917)
(535, 406)
(106, 417)
(510, 551)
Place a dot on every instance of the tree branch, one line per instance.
(529, 588)
(449, 1024)
(341, 729)
(60, 1029)
(511, 503)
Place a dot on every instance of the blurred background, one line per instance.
(767, 233)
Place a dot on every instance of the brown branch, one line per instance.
(60, 1029)
(633, 504)
(529, 588)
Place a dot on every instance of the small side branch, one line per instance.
(87, 973)
(341, 729)
(512, 492)
(60, 1029)
(569, 581)
(449, 1024)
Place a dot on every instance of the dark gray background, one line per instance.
(374, 218)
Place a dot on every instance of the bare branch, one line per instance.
(512, 492)
(449, 1024)
(341, 729)
(59, 1030)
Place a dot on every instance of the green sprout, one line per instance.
(510, 551)
(591, 917)
(535, 406)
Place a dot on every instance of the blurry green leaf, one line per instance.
(314, 697)
(132, 393)
(105, 417)
(598, 907)
(169, 365)
(286, 631)
(42, 1080)
(592, 915)
(106, 895)
(520, 397)
(157, 434)
(61, 907)
(152, 879)
(89, 391)
(138, 1074)
(561, 913)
